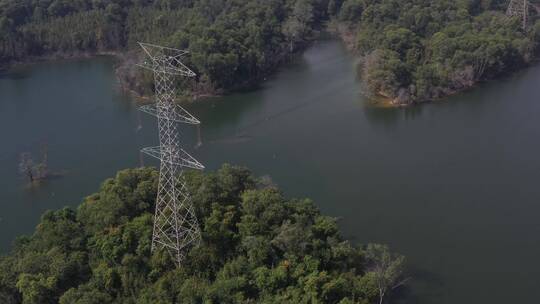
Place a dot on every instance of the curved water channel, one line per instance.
(452, 185)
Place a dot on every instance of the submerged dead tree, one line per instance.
(26, 166)
(34, 172)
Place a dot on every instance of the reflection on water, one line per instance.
(391, 117)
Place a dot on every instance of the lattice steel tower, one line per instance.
(175, 224)
(519, 8)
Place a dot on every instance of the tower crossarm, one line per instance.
(173, 156)
(177, 114)
(164, 60)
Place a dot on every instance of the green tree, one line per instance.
(387, 268)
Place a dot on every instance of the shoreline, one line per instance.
(347, 35)
(118, 56)
(335, 29)
(127, 81)
(6, 67)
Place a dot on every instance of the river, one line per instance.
(452, 185)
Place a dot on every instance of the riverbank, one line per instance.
(127, 73)
(463, 80)
(5, 67)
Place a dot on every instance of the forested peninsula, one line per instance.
(412, 50)
(421, 50)
(233, 43)
(257, 247)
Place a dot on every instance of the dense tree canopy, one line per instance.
(258, 247)
(233, 42)
(418, 50)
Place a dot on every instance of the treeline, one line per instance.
(413, 50)
(233, 43)
(257, 247)
(418, 50)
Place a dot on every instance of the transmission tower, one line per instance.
(520, 9)
(175, 224)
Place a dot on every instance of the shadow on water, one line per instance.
(15, 74)
(391, 117)
(235, 112)
(422, 283)
(44, 182)
(223, 111)
(242, 130)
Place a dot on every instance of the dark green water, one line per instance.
(452, 185)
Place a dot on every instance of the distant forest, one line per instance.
(233, 43)
(257, 247)
(412, 50)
